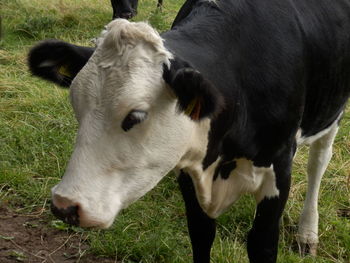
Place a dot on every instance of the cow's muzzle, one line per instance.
(69, 215)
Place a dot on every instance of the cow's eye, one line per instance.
(134, 117)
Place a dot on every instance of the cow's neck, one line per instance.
(192, 162)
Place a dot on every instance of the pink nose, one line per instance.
(65, 210)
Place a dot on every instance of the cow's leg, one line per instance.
(263, 237)
(201, 227)
(160, 4)
(319, 156)
(114, 6)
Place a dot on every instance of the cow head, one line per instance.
(124, 8)
(140, 113)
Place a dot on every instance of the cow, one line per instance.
(127, 8)
(224, 98)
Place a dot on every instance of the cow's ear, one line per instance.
(58, 61)
(197, 97)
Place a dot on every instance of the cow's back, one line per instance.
(326, 29)
(277, 63)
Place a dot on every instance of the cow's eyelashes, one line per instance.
(134, 117)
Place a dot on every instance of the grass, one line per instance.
(37, 130)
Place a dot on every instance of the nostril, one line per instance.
(69, 215)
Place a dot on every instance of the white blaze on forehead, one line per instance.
(125, 71)
(121, 34)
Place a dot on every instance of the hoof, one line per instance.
(307, 249)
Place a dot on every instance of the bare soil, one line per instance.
(29, 238)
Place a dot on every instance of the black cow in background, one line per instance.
(127, 8)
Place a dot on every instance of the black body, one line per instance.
(280, 66)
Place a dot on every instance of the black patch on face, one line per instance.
(224, 169)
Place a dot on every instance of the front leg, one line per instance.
(200, 226)
(264, 235)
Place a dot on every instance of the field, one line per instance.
(37, 130)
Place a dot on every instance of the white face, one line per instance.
(110, 167)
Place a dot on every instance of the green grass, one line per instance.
(37, 130)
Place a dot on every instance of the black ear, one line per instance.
(58, 61)
(197, 96)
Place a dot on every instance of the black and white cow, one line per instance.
(224, 98)
(127, 8)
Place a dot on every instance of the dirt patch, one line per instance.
(29, 238)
